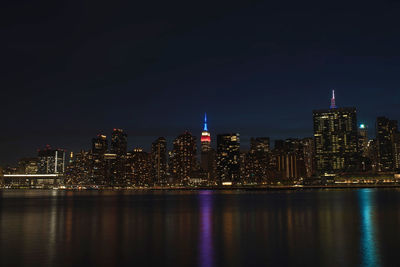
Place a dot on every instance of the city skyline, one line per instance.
(144, 142)
(199, 133)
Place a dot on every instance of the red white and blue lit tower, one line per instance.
(205, 137)
(207, 162)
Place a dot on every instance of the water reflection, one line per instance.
(199, 228)
(369, 253)
(206, 240)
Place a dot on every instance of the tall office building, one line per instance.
(290, 167)
(183, 157)
(365, 162)
(207, 159)
(362, 139)
(289, 160)
(28, 166)
(257, 160)
(386, 132)
(98, 169)
(119, 142)
(79, 170)
(260, 144)
(51, 161)
(205, 137)
(228, 158)
(118, 166)
(336, 139)
(308, 156)
(396, 150)
(99, 144)
(159, 161)
(139, 168)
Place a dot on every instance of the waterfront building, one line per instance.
(207, 156)
(308, 156)
(289, 159)
(118, 165)
(183, 158)
(290, 167)
(336, 139)
(99, 144)
(98, 167)
(228, 158)
(51, 160)
(386, 131)
(119, 142)
(256, 162)
(79, 170)
(112, 170)
(159, 161)
(362, 139)
(28, 166)
(139, 168)
(372, 155)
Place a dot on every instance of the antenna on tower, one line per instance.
(333, 104)
(205, 123)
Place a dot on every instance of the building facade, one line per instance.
(228, 158)
(51, 161)
(386, 138)
(183, 158)
(207, 156)
(336, 140)
(98, 168)
(159, 161)
(119, 143)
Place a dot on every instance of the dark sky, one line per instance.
(71, 69)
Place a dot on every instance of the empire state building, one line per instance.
(207, 162)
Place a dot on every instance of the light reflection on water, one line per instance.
(199, 228)
(206, 243)
(370, 255)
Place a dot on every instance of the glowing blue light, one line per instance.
(205, 128)
(362, 126)
(369, 250)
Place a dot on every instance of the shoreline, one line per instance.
(213, 188)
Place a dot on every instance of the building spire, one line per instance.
(333, 104)
(205, 128)
(205, 136)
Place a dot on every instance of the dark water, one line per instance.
(200, 228)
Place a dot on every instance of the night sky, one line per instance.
(74, 69)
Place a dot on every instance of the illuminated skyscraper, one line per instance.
(289, 160)
(79, 170)
(183, 158)
(336, 139)
(309, 156)
(119, 142)
(207, 160)
(139, 168)
(51, 160)
(386, 132)
(256, 161)
(98, 169)
(228, 158)
(205, 137)
(118, 166)
(28, 166)
(99, 144)
(159, 161)
(362, 139)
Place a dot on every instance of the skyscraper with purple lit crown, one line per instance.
(336, 139)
